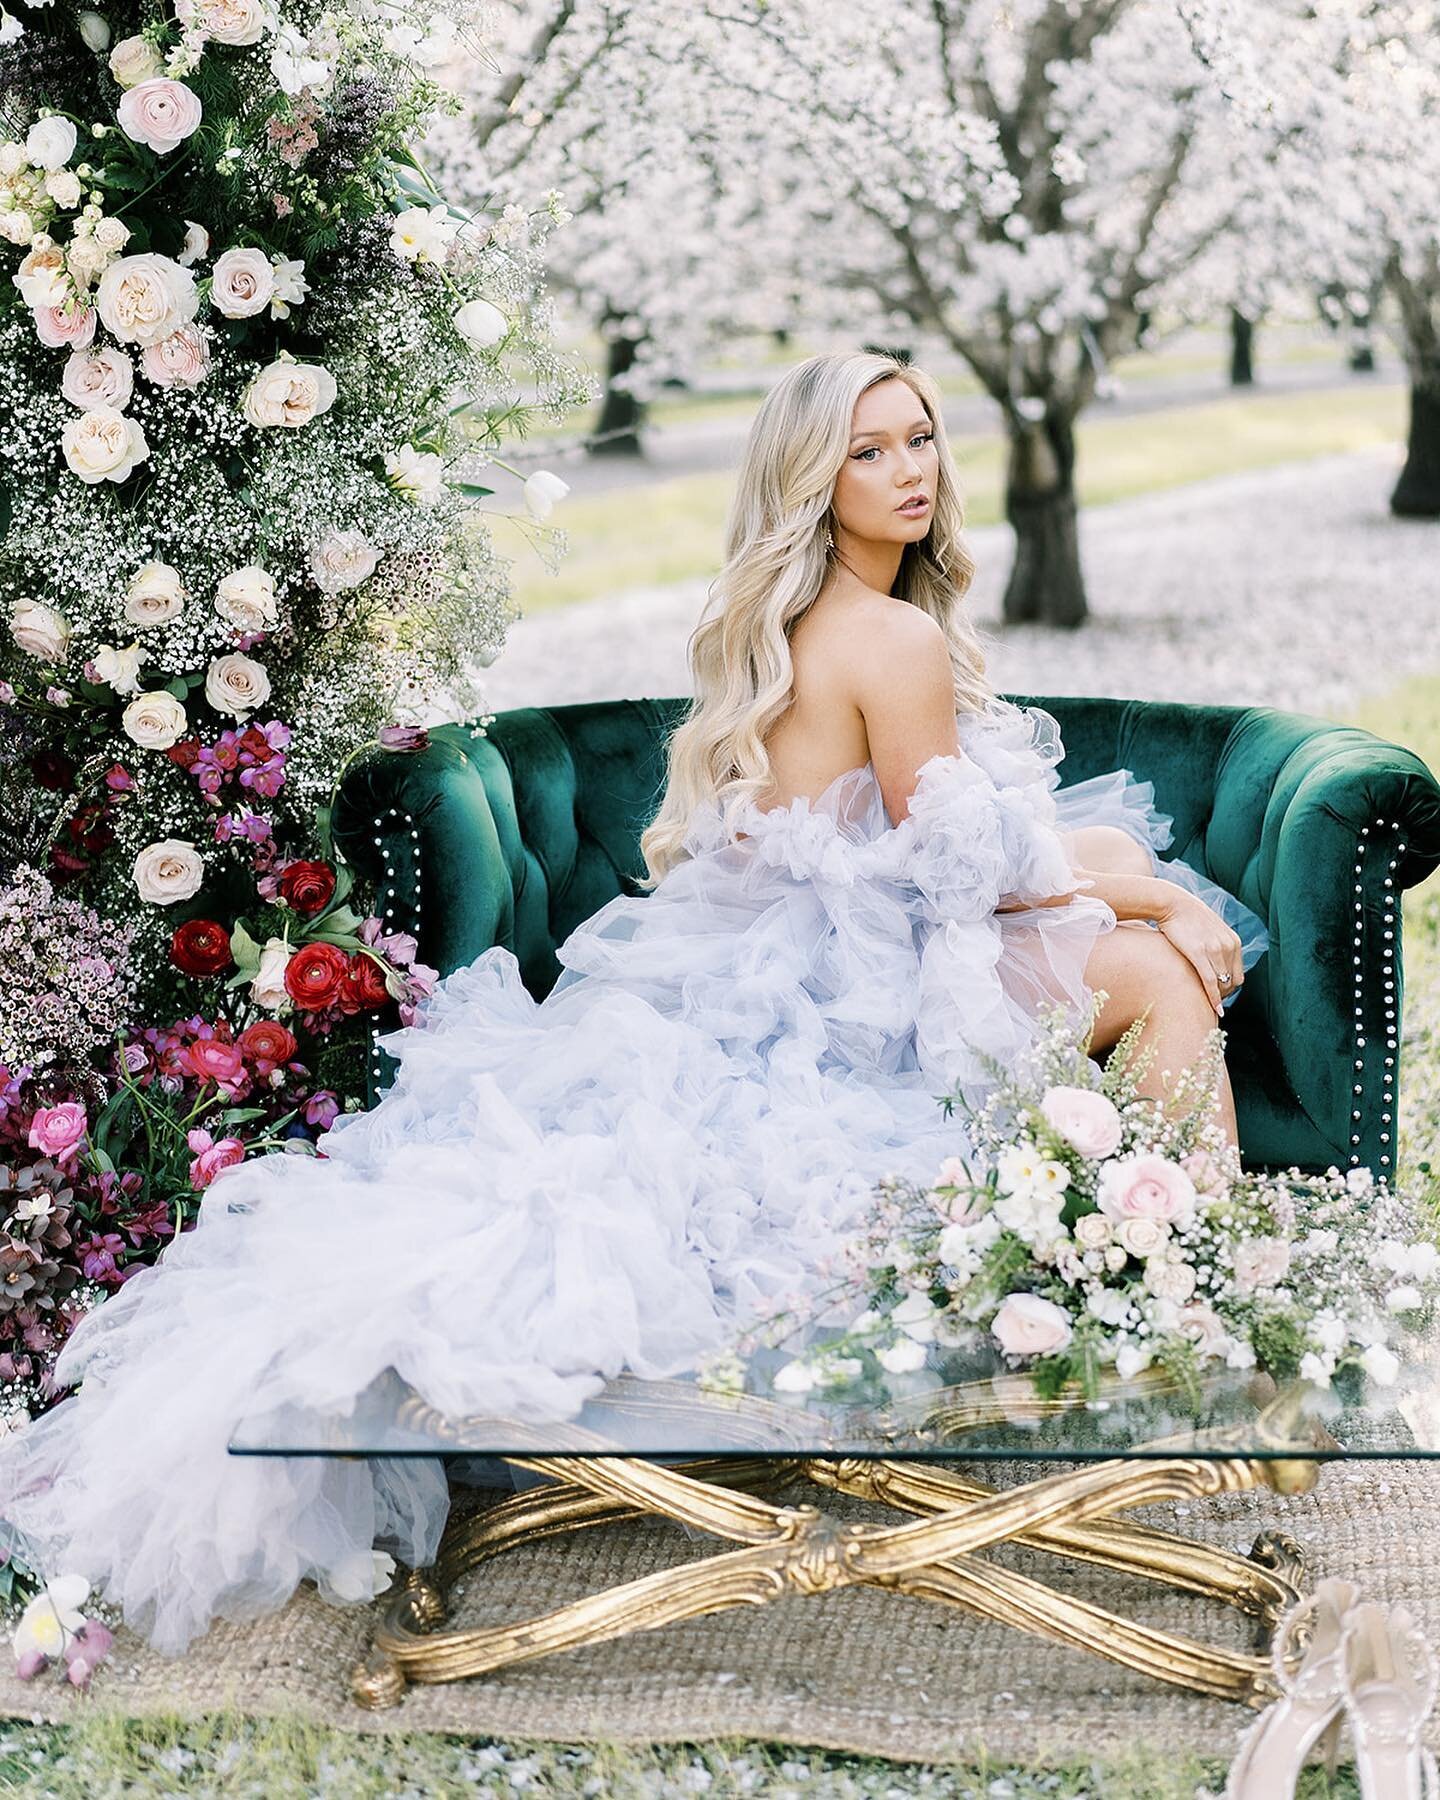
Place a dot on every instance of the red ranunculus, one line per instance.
(363, 989)
(213, 1060)
(313, 976)
(200, 947)
(307, 886)
(266, 1044)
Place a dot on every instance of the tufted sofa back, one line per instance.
(515, 835)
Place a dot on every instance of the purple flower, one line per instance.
(321, 1109)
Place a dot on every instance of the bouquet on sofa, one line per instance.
(254, 365)
(1094, 1231)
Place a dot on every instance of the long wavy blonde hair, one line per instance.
(776, 559)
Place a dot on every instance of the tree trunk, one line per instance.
(1242, 349)
(1046, 584)
(1362, 355)
(617, 430)
(1417, 493)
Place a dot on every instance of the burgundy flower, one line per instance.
(53, 769)
(307, 886)
(201, 947)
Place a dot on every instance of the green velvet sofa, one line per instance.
(515, 834)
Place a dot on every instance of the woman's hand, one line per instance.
(1198, 932)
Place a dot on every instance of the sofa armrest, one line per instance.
(1349, 823)
(422, 827)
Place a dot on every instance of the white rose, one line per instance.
(155, 721)
(541, 491)
(1027, 1325)
(240, 22)
(242, 283)
(1143, 1237)
(50, 143)
(85, 259)
(904, 1357)
(1381, 1364)
(144, 298)
(95, 30)
(159, 113)
(135, 59)
(16, 227)
(268, 989)
(103, 445)
(41, 276)
(196, 245)
(245, 598)
(112, 234)
(63, 187)
(1169, 1280)
(12, 158)
(118, 669)
(180, 360)
(480, 323)
(168, 871)
(1092, 1231)
(104, 377)
(420, 475)
(342, 560)
(39, 630)
(235, 684)
(155, 595)
(289, 393)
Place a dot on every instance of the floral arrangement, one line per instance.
(1091, 1230)
(256, 367)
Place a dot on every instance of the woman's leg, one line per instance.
(1139, 967)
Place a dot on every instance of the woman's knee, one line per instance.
(1111, 849)
(1140, 969)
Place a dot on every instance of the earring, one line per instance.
(829, 538)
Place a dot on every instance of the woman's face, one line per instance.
(892, 463)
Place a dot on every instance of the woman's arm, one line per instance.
(1128, 896)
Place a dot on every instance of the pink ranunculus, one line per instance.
(1146, 1186)
(1027, 1325)
(159, 113)
(58, 1131)
(57, 327)
(211, 1060)
(211, 1157)
(1260, 1262)
(1085, 1119)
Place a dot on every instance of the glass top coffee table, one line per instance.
(719, 1459)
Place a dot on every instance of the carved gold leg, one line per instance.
(798, 1549)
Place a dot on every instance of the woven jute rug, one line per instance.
(859, 1670)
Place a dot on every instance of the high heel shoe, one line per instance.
(1272, 1752)
(1389, 1681)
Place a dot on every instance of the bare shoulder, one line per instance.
(871, 641)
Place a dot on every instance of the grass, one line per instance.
(669, 530)
(287, 1759)
(277, 1759)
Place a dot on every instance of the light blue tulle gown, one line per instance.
(615, 1178)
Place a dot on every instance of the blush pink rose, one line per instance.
(59, 326)
(1027, 1325)
(1146, 1187)
(58, 1130)
(211, 1157)
(1205, 1172)
(180, 360)
(1086, 1120)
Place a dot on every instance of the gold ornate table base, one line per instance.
(799, 1549)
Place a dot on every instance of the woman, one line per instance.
(861, 886)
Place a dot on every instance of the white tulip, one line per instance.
(480, 323)
(542, 490)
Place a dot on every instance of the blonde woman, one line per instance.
(862, 883)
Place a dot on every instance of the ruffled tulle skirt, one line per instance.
(616, 1178)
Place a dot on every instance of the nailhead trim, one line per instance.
(1387, 1078)
(387, 901)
